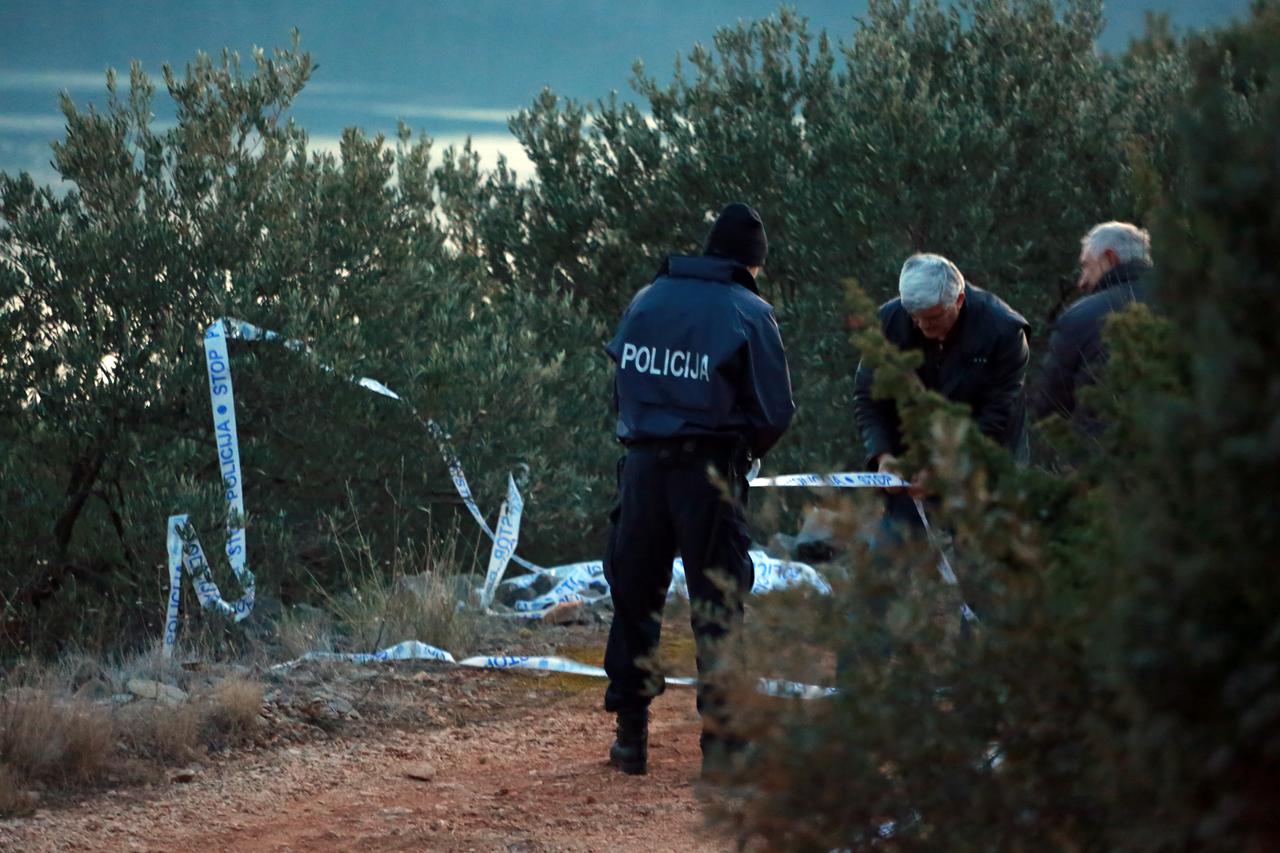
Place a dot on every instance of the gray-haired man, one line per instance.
(975, 352)
(1115, 259)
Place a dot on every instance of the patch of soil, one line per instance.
(433, 759)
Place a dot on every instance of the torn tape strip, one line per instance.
(574, 581)
(186, 555)
(944, 565)
(504, 542)
(585, 582)
(182, 544)
(251, 333)
(415, 650)
(839, 480)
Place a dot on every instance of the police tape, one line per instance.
(185, 552)
(417, 650)
(839, 480)
(585, 582)
(507, 534)
(250, 333)
(582, 582)
(871, 480)
(944, 565)
(186, 555)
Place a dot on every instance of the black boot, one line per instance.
(630, 752)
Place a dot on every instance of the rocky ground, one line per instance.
(409, 756)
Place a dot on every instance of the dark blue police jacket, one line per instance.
(698, 354)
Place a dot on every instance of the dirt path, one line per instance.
(526, 772)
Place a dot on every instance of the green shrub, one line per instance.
(1122, 690)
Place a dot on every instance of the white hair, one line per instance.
(928, 280)
(1129, 242)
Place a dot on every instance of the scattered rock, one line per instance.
(564, 613)
(527, 845)
(303, 676)
(87, 671)
(395, 811)
(419, 586)
(95, 690)
(421, 773)
(147, 689)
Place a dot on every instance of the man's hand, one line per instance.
(919, 487)
(889, 465)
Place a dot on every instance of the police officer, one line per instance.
(700, 384)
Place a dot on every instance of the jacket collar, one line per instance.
(708, 268)
(1121, 274)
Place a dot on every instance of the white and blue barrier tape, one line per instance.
(574, 582)
(415, 650)
(585, 582)
(504, 541)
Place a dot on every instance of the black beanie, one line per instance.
(738, 234)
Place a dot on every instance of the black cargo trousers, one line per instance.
(668, 502)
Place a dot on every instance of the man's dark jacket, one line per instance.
(1076, 349)
(982, 362)
(698, 354)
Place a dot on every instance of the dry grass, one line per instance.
(13, 800)
(46, 738)
(51, 736)
(411, 595)
(302, 629)
(162, 733)
(235, 707)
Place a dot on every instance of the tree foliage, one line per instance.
(105, 290)
(1121, 691)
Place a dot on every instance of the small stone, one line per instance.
(95, 690)
(395, 811)
(421, 773)
(563, 613)
(147, 689)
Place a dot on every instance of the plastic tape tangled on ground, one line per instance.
(415, 650)
(583, 582)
